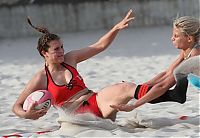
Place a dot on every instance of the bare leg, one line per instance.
(120, 93)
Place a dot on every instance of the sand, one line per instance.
(136, 55)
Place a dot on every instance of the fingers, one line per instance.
(35, 114)
(113, 106)
(123, 107)
(117, 107)
(41, 112)
(128, 18)
(129, 15)
(38, 114)
(125, 22)
(32, 107)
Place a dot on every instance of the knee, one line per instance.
(182, 100)
(128, 88)
(128, 85)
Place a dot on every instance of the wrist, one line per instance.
(23, 115)
(116, 28)
(136, 104)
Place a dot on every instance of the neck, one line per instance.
(187, 52)
(54, 67)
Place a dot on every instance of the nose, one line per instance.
(61, 49)
(172, 38)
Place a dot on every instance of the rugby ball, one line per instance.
(42, 97)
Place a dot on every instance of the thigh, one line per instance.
(120, 93)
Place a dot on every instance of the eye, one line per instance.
(175, 35)
(56, 49)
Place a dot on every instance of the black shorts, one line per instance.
(178, 94)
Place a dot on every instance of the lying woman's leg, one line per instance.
(178, 94)
(120, 93)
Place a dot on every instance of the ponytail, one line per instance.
(44, 39)
(38, 28)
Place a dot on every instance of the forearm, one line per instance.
(18, 110)
(157, 90)
(158, 78)
(153, 93)
(92, 50)
(107, 39)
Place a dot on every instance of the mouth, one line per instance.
(61, 56)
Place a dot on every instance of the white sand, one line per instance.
(136, 55)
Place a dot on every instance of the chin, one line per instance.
(176, 47)
(61, 61)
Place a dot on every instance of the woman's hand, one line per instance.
(123, 107)
(124, 23)
(34, 114)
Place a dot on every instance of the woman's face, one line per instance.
(55, 52)
(179, 39)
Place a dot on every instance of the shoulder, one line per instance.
(70, 59)
(41, 74)
(176, 62)
(196, 51)
(39, 80)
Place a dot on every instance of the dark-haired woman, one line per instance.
(60, 77)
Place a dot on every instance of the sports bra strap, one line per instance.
(195, 46)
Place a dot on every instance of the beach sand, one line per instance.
(136, 55)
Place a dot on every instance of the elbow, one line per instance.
(162, 86)
(167, 83)
(13, 109)
(181, 99)
(16, 111)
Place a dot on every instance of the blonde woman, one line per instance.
(185, 36)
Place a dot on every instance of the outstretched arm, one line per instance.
(155, 92)
(102, 43)
(162, 76)
(161, 83)
(156, 79)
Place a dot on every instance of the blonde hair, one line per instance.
(189, 26)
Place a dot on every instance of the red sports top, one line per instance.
(62, 93)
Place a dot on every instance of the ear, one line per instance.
(44, 53)
(190, 39)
